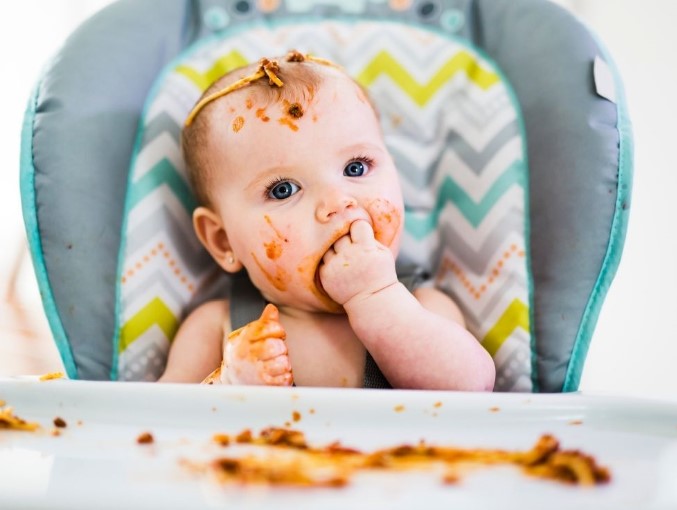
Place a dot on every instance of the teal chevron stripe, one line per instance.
(163, 172)
(420, 225)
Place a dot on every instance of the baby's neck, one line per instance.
(323, 348)
(310, 315)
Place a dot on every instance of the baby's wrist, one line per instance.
(378, 300)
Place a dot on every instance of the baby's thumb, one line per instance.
(270, 313)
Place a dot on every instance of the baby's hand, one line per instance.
(357, 265)
(257, 353)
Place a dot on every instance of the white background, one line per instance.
(635, 345)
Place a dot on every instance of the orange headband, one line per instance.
(267, 68)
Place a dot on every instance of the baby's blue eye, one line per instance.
(355, 169)
(282, 190)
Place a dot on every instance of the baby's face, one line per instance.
(295, 177)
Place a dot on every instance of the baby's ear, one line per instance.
(213, 236)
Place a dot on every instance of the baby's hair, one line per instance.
(295, 78)
(269, 68)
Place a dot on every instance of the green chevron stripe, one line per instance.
(384, 63)
(515, 316)
(420, 225)
(155, 312)
(162, 172)
(203, 80)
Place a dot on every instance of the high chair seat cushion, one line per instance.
(82, 127)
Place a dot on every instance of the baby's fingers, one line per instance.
(286, 379)
(276, 366)
(269, 348)
(261, 329)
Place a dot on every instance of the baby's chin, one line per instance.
(316, 301)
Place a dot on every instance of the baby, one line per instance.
(298, 189)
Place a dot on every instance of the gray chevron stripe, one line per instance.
(389, 100)
(413, 171)
(160, 124)
(478, 260)
(513, 364)
(509, 286)
(144, 360)
(480, 114)
(476, 161)
(211, 283)
(163, 220)
(473, 315)
(420, 61)
(166, 288)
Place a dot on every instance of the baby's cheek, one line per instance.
(271, 254)
(387, 220)
(274, 272)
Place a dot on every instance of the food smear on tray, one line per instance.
(284, 458)
(8, 420)
(51, 376)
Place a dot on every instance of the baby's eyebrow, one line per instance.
(355, 149)
(263, 176)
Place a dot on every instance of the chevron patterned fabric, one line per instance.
(455, 133)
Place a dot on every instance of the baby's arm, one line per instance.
(417, 344)
(198, 345)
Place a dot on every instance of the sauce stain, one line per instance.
(261, 114)
(386, 220)
(295, 110)
(273, 250)
(238, 123)
(286, 121)
(277, 232)
(278, 280)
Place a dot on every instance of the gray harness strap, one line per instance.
(250, 303)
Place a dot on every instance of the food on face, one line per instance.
(386, 220)
(295, 110)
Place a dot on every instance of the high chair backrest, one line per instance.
(506, 119)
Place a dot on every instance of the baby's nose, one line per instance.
(333, 202)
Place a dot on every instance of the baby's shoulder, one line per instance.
(437, 301)
(211, 314)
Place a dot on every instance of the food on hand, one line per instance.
(255, 354)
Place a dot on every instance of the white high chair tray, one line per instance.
(96, 461)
